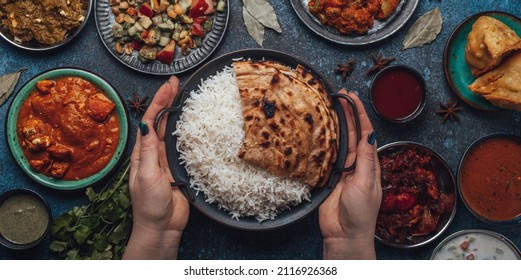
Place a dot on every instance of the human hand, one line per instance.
(348, 217)
(160, 212)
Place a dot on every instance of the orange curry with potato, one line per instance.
(352, 16)
(68, 129)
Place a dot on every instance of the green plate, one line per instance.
(16, 150)
(456, 69)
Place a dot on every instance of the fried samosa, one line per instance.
(502, 86)
(488, 43)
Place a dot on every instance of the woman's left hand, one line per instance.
(160, 212)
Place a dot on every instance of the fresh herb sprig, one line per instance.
(98, 230)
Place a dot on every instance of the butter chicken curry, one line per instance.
(67, 128)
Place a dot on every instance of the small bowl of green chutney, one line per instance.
(25, 219)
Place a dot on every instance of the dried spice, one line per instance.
(138, 104)
(8, 83)
(379, 63)
(449, 111)
(424, 30)
(258, 14)
(345, 69)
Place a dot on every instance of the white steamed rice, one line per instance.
(210, 135)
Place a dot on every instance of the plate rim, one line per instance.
(305, 208)
(12, 137)
(447, 61)
(347, 40)
(170, 71)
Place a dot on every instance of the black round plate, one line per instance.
(380, 31)
(105, 19)
(286, 217)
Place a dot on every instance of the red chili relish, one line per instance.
(397, 94)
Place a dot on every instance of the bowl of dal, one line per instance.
(489, 178)
(25, 219)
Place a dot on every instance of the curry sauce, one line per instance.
(67, 128)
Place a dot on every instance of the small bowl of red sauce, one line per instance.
(398, 93)
(418, 198)
(489, 178)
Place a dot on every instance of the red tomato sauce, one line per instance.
(397, 94)
(490, 179)
(68, 129)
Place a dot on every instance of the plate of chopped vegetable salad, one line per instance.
(161, 37)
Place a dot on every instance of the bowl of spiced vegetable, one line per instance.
(67, 128)
(419, 195)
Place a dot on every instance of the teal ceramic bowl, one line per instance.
(16, 149)
(457, 72)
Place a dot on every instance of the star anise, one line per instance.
(345, 69)
(449, 111)
(138, 104)
(379, 62)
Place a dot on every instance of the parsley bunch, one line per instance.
(100, 229)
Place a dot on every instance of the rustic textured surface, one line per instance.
(203, 238)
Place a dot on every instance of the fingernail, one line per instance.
(143, 127)
(371, 139)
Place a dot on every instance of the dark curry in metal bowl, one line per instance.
(42, 24)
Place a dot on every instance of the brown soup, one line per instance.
(490, 179)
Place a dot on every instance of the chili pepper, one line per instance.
(402, 201)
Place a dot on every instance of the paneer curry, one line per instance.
(67, 128)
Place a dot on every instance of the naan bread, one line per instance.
(502, 86)
(488, 43)
(290, 125)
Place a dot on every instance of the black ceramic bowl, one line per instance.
(25, 219)
(489, 177)
(398, 93)
(446, 186)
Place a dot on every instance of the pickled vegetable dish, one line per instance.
(156, 28)
(412, 201)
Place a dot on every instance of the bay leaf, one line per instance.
(8, 83)
(254, 27)
(424, 30)
(262, 11)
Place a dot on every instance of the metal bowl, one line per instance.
(33, 45)
(499, 186)
(447, 185)
(27, 218)
(482, 245)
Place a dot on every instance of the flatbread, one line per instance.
(502, 86)
(290, 125)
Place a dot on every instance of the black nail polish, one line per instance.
(371, 139)
(144, 128)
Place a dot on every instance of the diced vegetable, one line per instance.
(147, 53)
(117, 30)
(220, 6)
(146, 10)
(164, 41)
(166, 55)
(145, 21)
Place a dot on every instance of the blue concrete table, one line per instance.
(205, 239)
